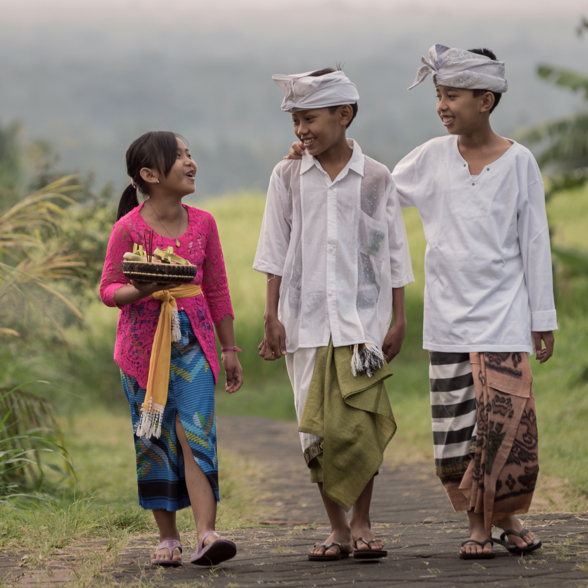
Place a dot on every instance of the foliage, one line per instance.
(563, 142)
(33, 259)
(29, 438)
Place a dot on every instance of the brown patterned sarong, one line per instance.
(501, 477)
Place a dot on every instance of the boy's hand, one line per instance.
(393, 341)
(273, 345)
(542, 354)
(233, 370)
(296, 151)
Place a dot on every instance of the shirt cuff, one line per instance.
(544, 320)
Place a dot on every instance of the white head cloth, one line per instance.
(304, 92)
(458, 68)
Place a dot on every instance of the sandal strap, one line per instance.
(201, 542)
(480, 543)
(520, 534)
(170, 544)
(329, 545)
(366, 541)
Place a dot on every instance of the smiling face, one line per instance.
(460, 111)
(180, 179)
(321, 130)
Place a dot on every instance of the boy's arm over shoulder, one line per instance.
(533, 232)
(407, 172)
(274, 236)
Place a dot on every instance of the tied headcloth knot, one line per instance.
(458, 68)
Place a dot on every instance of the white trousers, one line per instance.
(300, 366)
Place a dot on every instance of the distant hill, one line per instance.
(92, 91)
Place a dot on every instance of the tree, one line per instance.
(564, 142)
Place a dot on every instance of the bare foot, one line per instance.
(336, 536)
(164, 553)
(512, 523)
(477, 533)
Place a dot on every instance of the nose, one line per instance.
(441, 104)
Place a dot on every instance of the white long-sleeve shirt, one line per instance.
(340, 247)
(488, 276)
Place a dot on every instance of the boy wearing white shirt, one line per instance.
(488, 297)
(334, 249)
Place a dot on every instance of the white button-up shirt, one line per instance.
(339, 246)
(488, 276)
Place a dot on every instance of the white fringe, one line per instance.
(176, 335)
(356, 364)
(150, 422)
(367, 361)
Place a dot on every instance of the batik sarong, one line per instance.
(501, 477)
(160, 461)
(502, 466)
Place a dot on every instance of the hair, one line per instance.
(478, 93)
(333, 109)
(156, 150)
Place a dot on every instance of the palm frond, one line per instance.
(29, 434)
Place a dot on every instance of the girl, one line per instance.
(175, 426)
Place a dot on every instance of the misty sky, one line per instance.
(34, 11)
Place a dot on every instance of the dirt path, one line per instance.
(410, 512)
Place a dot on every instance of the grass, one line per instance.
(103, 504)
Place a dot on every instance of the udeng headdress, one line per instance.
(458, 68)
(305, 92)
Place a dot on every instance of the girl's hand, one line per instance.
(296, 151)
(273, 345)
(233, 371)
(146, 289)
(393, 341)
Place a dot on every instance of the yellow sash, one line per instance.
(159, 364)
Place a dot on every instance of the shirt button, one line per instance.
(465, 164)
(473, 184)
(330, 250)
(487, 169)
(330, 293)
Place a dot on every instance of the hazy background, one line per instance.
(90, 77)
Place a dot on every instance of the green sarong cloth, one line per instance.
(353, 417)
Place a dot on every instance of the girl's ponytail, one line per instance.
(128, 201)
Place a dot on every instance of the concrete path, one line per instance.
(410, 512)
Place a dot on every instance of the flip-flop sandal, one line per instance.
(482, 555)
(170, 544)
(368, 553)
(502, 538)
(215, 552)
(328, 557)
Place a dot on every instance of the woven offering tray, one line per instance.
(163, 267)
(163, 273)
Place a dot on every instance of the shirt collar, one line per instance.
(356, 163)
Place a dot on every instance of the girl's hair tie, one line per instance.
(231, 349)
(133, 184)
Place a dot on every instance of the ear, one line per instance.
(345, 114)
(149, 176)
(487, 102)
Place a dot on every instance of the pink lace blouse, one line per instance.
(137, 322)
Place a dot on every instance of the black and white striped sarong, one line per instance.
(453, 408)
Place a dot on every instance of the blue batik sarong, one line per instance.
(160, 462)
